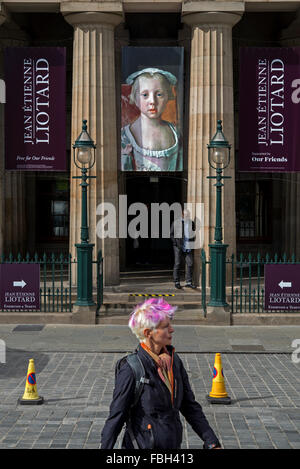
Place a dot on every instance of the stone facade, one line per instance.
(98, 33)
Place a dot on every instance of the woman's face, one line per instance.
(151, 96)
(162, 335)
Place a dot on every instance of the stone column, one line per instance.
(121, 40)
(12, 183)
(290, 223)
(2, 208)
(211, 98)
(94, 99)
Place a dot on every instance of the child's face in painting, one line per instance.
(151, 96)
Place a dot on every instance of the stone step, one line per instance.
(126, 309)
(130, 298)
(116, 305)
(188, 317)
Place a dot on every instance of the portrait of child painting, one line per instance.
(150, 135)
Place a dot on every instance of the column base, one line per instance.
(84, 314)
(219, 315)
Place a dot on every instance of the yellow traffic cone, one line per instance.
(30, 395)
(218, 394)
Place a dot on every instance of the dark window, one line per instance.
(52, 221)
(254, 220)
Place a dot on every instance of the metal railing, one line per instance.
(55, 280)
(245, 288)
(56, 291)
(248, 289)
(203, 281)
(99, 263)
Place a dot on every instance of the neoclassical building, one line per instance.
(42, 211)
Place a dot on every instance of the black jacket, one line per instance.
(155, 408)
(177, 232)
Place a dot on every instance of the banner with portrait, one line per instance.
(35, 110)
(152, 109)
(269, 109)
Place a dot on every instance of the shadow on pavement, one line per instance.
(16, 363)
(251, 398)
(65, 399)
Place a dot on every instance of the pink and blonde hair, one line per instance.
(148, 315)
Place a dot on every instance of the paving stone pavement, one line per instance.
(77, 388)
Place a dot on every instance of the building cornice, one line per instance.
(211, 6)
(185, 6)
(113, 6)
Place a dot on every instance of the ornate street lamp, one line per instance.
(84, 159)
(218, 158)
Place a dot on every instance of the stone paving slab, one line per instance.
(75, 375)
(77, 388)
(113, 338)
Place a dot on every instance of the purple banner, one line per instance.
(282, 287)
(269, 113)
(20, 286)
(35, 113)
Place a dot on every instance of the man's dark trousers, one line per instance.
(189, 260)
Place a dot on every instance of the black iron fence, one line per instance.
(57, 293)
(245, 290)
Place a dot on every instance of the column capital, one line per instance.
(4, 15)
(211, 18)
(92, 18)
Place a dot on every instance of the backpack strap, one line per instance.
(138, 369)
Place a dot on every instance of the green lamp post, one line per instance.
(84, 159)
(218, 158)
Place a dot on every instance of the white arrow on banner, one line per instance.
(20, 284)
(283, 284)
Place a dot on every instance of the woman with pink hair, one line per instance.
(153, 422)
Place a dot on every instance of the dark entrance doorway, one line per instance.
(152, 253)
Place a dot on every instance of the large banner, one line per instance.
(269, 113)
(152, 108)
(35, 113)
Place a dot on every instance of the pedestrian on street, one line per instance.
(182, 233)
(154, 422)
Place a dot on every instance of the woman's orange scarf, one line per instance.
(164, 364)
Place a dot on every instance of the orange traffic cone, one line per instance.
(30, 395)
(218, 394)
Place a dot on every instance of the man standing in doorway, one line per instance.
(183, 235)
